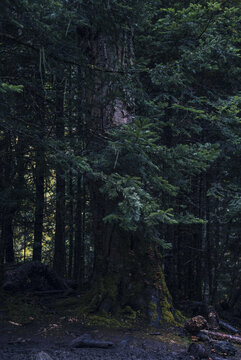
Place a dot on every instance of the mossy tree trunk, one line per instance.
(127, 271)
(128, 275)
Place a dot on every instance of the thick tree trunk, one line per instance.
(128, 276)
(127, 271)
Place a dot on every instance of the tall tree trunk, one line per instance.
(79, 244)
(1, 252)
(59, 248)
(39, 171)
(204, 239)
(215, 264)
(127, 270)
(198, 245)
(7, 234)
(39, 205)
(83, 269)
(78, 229)
(9, 209)
(70, 181)
(70, 223)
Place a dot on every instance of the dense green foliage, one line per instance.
(169, 177)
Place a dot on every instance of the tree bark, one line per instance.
(9, 209)
(215, 264)
(7, 234)
(204, 239)
(39, 205)
(59, 249)
(71, 224)
(126, 271)
(78, 249)
(70, 184)
(1, 252)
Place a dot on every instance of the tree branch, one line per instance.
(69, 62)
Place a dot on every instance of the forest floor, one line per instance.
(27, 330)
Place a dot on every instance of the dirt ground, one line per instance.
(25, 342)
(52, 334)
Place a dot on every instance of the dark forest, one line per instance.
(120, 152)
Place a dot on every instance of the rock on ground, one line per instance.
(43, 356)
(198, 351)
(88, 341)
(33, 276)
(224, 347)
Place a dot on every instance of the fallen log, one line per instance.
(228, 327)
(220, 336)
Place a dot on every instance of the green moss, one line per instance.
(168, 317)
(68, 302)
(154, 317)
(97, 320)
(153, 311)
(152, 306)
(22, 312)
(167, 314)
(104, 289)
(129, 313)
(180, 317)
(164, 287)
